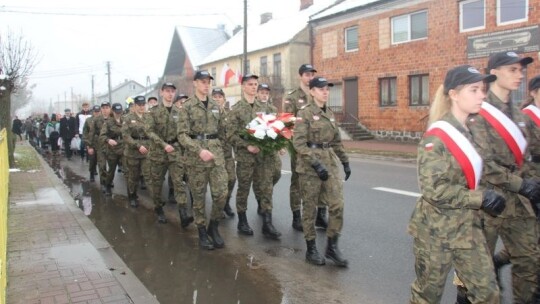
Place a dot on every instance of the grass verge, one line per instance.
(26, 158)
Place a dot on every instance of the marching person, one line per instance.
(249, 159)
(52, 133)
(230, 166)
(89, 142)
(136, 144)
(111, 136)
(68, 130)
(296, 100)
(80, 120)
(318, 146)
(200, 133)
(500, 131)
(447, 221)
(165, 154)
(97, 146)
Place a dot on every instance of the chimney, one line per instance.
(266, 17)
(305, 4)
(237, 29)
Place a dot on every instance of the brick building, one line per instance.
(388, 57)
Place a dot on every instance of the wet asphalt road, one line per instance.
(168, 261)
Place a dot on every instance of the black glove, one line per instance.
(492, 202)
(321, 171)
(347, 170)
(530, 189)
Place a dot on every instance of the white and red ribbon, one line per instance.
(534, 113)
(462, 150)
(507, 129)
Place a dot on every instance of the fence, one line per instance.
(4, 186)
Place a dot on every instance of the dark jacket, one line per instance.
(68, 127)
(17, 126)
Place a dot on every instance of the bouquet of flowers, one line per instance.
(270, 133)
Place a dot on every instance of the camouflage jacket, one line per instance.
(161, 128)
(87, 139)
(227, 147)
(534, 147)
(198, 120)
(134, 134)
(447, 213)
(500, 168)
(296, 100)
(318, 127)
(94, 132)
(112, 129)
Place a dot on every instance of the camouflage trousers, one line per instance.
(295, 196)
(92, 163)
(113, 160)
(102, 165)
(199, 179)
(520, 238)
(230, 167)
(276, 176)
(134, 169)
(473, 266)
(263, 168)
(145, 168)
(314, 190)
(158, 169)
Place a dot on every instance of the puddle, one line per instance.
(166, 258)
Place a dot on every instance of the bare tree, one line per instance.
(17, 61)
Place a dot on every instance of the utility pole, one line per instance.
(93, 97)
(109, 80)
(72, 108)
(244, 63)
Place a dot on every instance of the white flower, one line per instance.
(278, 124)
(259, 133)
(271, 133)
(269, 117)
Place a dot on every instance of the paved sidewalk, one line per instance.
(381, 146)
(55, 253)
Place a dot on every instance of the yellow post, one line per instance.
(4, 185)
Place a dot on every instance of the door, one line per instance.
(351, 98)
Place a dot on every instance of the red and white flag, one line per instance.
(461, 148)
(534, 113)
(226, 75)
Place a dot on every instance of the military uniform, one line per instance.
(516, 225)
(230, 164)
(161, 128)
(100, 148)
(112, 129)
(134, 134)
(447, 227)
(200, 128)
(316, 140)
(90, 142)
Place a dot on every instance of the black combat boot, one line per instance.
(312, 255)
(132, 200)
(321, 221)
(333, 253)
(92, 178)
(461, 297)
(297, 220)
(228, 210)
(161, 215)
(143, 184)
(108, 190)
(243, 226)
(268, 228)
(213, 233)
(185, 218)
(172, 200)
(499, 261)
(204, 242)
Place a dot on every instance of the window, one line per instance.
(419, 90)
(387, 91)
(335, 97)
(264, 66)
(277, 65)
(512, 11)
(472, 15)
(351, 39)
(520, 95)
(214, 76)
(409, 27)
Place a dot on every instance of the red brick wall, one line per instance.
(445, 47)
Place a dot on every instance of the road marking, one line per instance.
(397, 191)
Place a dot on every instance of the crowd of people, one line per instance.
(199, 142)
(478, 172)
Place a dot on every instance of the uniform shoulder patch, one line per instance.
(428, 147)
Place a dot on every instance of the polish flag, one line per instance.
(226, 75)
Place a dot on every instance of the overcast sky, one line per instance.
(76, 38)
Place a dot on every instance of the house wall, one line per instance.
(120, 94)
(377, 57)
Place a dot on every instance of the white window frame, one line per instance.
(409, 29)
(513, 21)
(461, 29)
(357, 39)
